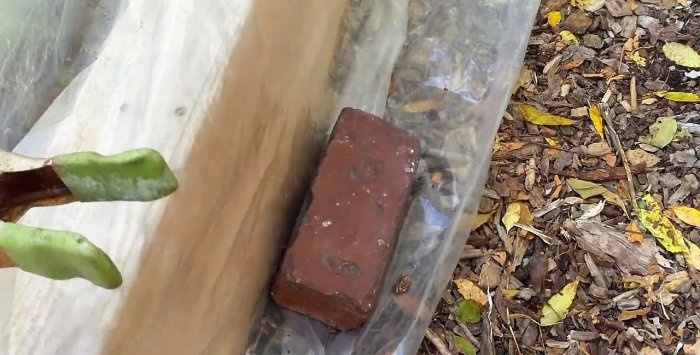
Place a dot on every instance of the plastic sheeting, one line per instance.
(450, 86)
(43, 46)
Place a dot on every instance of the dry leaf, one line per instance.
(610, 159)
(581, 3)
(597, 119)
(537, 117)
(587, 189)
(557, 307)
(661, 132)
(516, 213)
(480, 219)
(553, 19)
(593, 211)
(573, 64)
(688, 215)
(568, 37)
(550, 141)
(660, 227)
(692, 349)
(422, 106)
(637, 58)
(678, 96)
(470, 291)
(692, 256)
(640, 156)
(682, 55)
(633, 234)
(649, 101)
(627, 315)
(500, 257)
(511, 146)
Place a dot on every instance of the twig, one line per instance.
(618, 146)
(470, 336)
(437, 342)
(633, 93)
(517, 347)
(598, 175)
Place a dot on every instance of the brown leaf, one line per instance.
(573, 64)
(627, 315)
(633, 234)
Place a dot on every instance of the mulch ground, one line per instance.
(564, 205)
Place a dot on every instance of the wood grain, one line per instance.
(194, 264)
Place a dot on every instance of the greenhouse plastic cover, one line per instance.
(460, 58)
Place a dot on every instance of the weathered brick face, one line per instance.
(342, 247)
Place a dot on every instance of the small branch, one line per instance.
(438, 343)
(628, 171)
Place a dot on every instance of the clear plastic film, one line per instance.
(43, 46)
(450, 86)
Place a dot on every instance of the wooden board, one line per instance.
(239, 134)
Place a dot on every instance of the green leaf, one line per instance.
(136, 175)
(469, 312)
(661, 133)
(58, 255)
(465, 346)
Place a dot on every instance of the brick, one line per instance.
(342, 246)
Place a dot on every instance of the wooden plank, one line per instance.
(195, 263)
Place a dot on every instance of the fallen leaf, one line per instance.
(674, 280)
(687, 215)
(557, 307)
(510, 294)
(587, 189)
(537, 117)
(627, 315)
(678, 96)
(480, 219)
(610, 159)
(465, 346)
(692, 349)
(511, 146)
(661, 132)
(682, 55)
(550, 141)
(648, 350)
(660, 226)
(468, 312)
(581, 3)
(568, 37)
(692, 256)
(633, 234)
(500, 257)
(422, 106)
(597, 119)
(649, 101)
(573, 64)
(553, 19)
(640, 156)
(593, 211)
(637, 58)
(516, 213)
(684, 3)
(470, 291)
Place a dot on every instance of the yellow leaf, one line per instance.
(679, 96)
(470, 291)
(682, 55)
(688, 215)
(597, 120)
(517, 213)
(692, 256)
(537, 117)
(649, 101)
(661, 132)
(587, 189)
(568, 37)
(422, 106)
(581, 3)
(633, 234)
(637, 58)
(480, 219)
(550, 141)
(661, 227)
(557, 307)
(510, 294)
(553, 18)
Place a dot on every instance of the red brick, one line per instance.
(341, 249)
